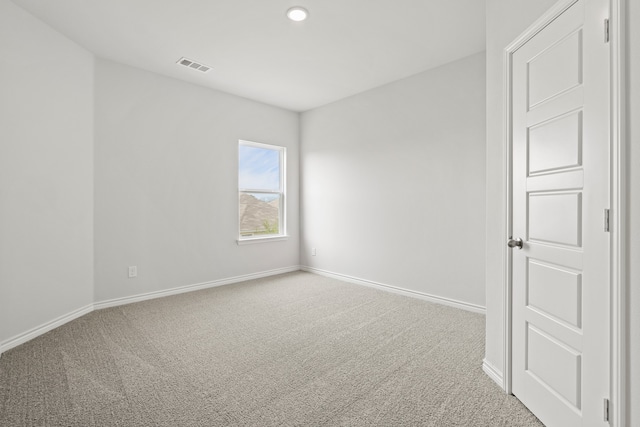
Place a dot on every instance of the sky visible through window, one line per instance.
(259, 169)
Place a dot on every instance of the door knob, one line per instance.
(517, 243)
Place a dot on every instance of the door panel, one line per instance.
(560, 366)
(565, 208)
(555, 365)
(556, 144)
(555, 70)
(565, 285)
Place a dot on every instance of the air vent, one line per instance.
(193, 65)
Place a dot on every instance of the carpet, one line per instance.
(292, 350)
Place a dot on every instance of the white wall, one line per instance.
(46, 174)
(393, 183)
(506, 19)
(166, 182)
(633, 120)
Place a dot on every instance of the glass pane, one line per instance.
(259, 214)
(259, 168)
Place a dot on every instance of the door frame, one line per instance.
(617, 203)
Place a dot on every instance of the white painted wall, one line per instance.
(46, 173)
(633, 73)
(166, 182)
(393, 183)
(506, 19)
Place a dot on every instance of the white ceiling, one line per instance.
(345, 47)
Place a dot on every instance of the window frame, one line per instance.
(282, 211)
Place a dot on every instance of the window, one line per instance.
(261, 173)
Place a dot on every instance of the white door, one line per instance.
(560, 188)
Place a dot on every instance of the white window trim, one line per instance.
(270, 238)
(283, 199)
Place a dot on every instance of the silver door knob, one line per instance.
(517, 243)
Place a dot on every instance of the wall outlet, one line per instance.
(313, 251)
(133, 271)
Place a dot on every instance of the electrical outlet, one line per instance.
(313, 251)
(133, 271)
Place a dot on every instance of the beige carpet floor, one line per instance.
(290, 350)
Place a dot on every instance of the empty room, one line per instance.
(320, 213)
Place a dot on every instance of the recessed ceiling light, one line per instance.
(297, 13)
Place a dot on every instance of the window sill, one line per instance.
(252, 240)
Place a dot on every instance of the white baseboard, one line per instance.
(493, 373)
(46, 327)
(415, 294)
(190, 288)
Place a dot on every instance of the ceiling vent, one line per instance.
(194, 65)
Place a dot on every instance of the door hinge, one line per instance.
(606, 410)
(606, 220)
(606, 30)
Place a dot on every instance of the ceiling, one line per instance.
(343, 48)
